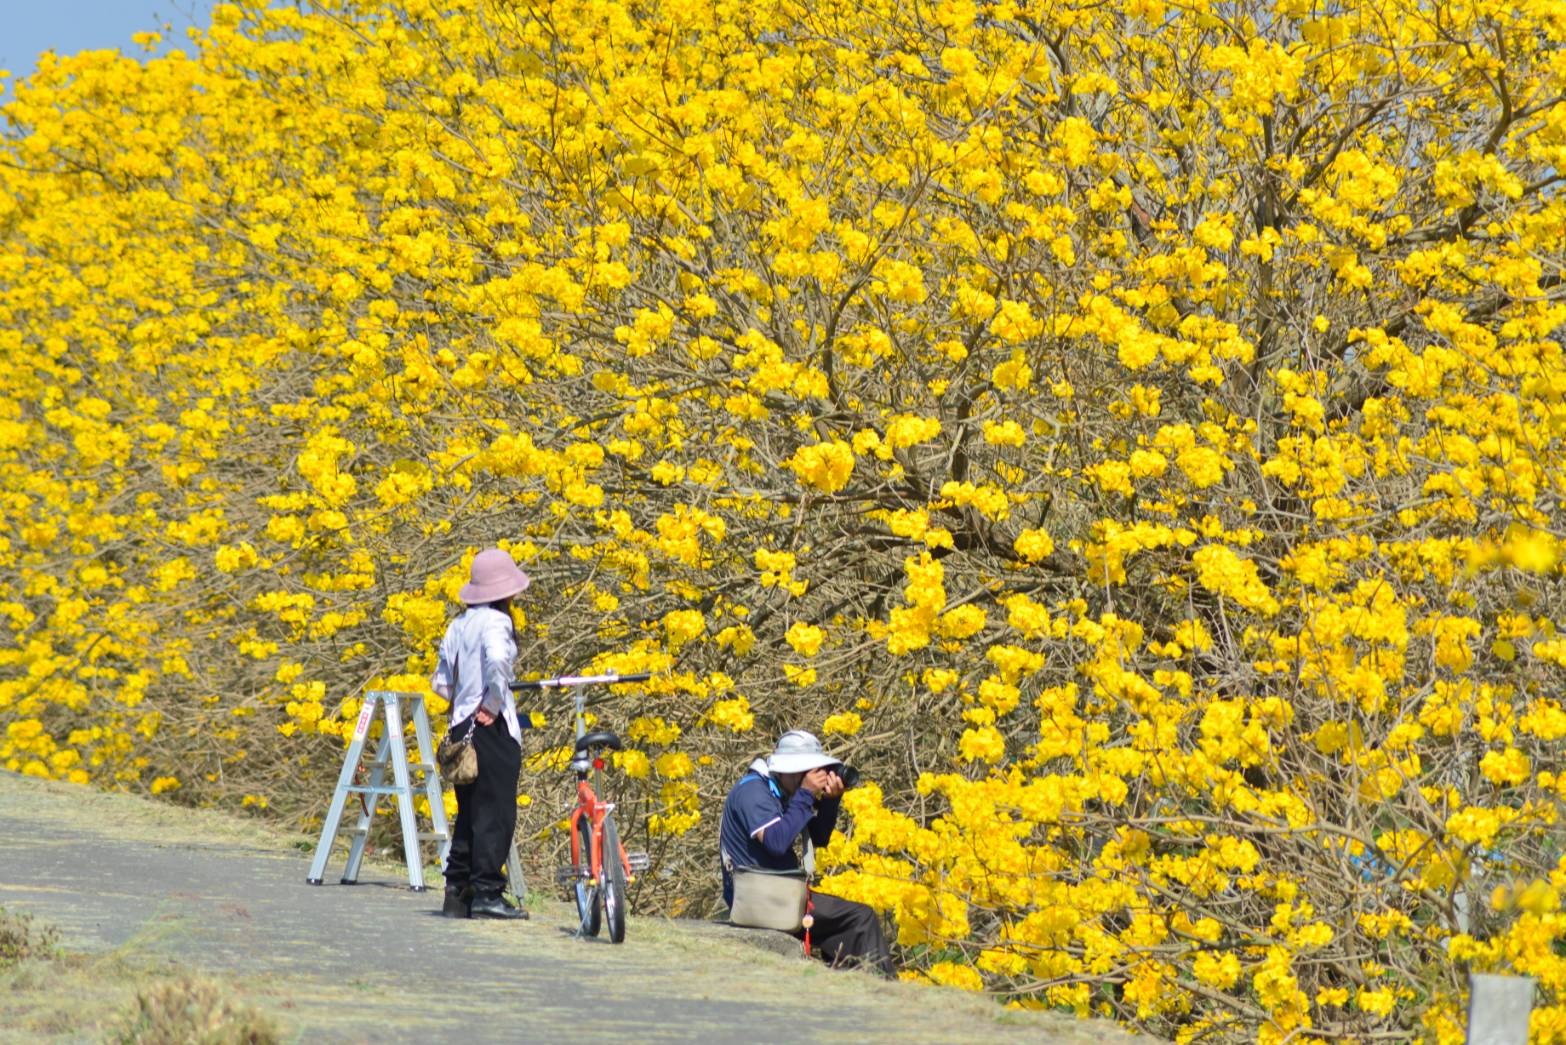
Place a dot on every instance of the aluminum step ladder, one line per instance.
(392, 752)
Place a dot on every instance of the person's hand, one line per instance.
(834, 786)
(486, 718)
(817, 781)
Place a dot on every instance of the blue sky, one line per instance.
(66, 26)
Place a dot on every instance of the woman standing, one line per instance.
(474, 672)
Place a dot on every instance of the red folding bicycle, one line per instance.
(600, 868)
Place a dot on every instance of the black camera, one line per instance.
(848, 774)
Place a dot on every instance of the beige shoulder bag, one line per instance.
(767, 899)
(456, 757)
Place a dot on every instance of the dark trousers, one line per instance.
(847, 933)
(486, 813)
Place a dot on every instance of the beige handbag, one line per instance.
(458, 758)
(767, 899)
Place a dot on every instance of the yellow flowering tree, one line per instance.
(1131, 433)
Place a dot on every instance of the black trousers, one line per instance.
(848, 933)
(486, 813)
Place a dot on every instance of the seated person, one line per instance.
(780, 798)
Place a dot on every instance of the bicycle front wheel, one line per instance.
(585, 891)
(613, 883)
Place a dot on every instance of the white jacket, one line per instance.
(479, 652)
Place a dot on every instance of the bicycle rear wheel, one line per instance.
(584, 891)
(613, 883)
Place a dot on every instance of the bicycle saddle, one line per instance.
(602, 739)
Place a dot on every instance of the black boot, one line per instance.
(458, 902)
(492, 906)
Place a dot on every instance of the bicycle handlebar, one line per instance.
(581, 680)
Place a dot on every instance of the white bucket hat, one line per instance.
(798, 752)
(494, 576)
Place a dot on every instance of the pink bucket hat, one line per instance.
(494, 576)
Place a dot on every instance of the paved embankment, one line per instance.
(374, 962)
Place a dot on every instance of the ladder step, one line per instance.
(390, 789)
(432, 836)
(423, 767)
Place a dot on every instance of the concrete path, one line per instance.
(375, 962)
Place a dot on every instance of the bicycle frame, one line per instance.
(588, 804)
